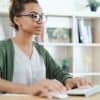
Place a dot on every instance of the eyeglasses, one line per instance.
(36, 17)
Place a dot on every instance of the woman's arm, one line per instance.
(41, 88)
(7, 86)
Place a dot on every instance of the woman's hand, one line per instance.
(37, 90)
(77, 83)
(43, 87)
(52, 85)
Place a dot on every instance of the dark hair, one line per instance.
(17, 6)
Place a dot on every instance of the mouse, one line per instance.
(59, 95)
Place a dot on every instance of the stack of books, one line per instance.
(85, 33)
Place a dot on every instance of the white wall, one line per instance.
(4, 5)
(81, 5)
(51, 5)
(70, 5)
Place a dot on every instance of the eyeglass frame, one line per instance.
(33, 15)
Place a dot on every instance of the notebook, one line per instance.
(84, 91)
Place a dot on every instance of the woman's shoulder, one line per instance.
(6, 46)
(39, 47)
(6, 42)
(2, 42)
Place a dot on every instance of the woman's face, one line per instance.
(30, 19)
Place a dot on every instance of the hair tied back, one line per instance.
(15, 2)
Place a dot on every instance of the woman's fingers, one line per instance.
(52, 85)
(77, 83)
(83, 83)
(59, 86)
(44, 93)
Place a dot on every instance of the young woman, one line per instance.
(25, 66)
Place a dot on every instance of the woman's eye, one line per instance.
(35, 16)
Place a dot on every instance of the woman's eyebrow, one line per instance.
(36, 12)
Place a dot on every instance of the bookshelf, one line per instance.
(83, 58)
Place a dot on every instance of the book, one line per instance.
(84, 30)
(59, 35)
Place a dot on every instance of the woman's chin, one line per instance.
(37, 33)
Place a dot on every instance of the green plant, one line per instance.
(65, 64)
(93, 4)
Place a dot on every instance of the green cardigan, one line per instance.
(53, 71)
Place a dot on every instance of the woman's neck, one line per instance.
(24, 42)
(23, 39)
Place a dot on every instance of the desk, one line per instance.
(94, 97)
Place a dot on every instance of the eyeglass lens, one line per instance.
(38, 17)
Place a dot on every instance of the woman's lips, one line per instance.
(38, 28)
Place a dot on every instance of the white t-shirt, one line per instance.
(28, 71)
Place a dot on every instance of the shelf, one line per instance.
(88, 14)
(80, 54)
(87, 44)
(56, 44)
(60, 14)
(85, 74)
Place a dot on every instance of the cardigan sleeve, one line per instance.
(1, 60)
(54, 71)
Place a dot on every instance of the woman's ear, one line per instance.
(17, 20)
